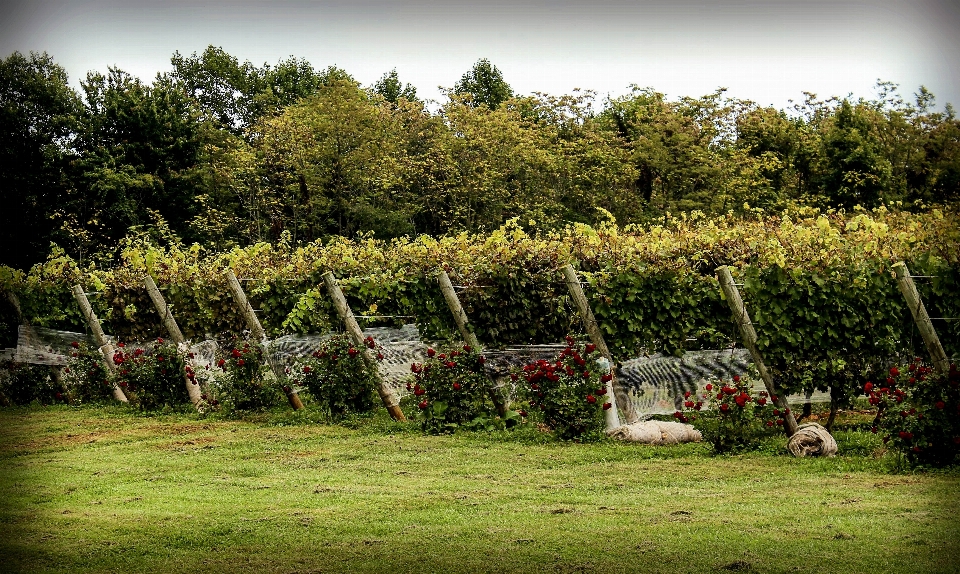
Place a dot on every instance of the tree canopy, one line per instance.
(227, 153)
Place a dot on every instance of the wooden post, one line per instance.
(749, 337)
(353, 330)
(940, 361)
(173, 330)
(256, 329)
(106, 347)
(469, 337)
(616, 392)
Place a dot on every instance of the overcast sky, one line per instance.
(768, 52)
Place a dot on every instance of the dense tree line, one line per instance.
(223, 153)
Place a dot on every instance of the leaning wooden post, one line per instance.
(106, 347)
(256, 329)
(749, 337)
(469, 337)
(353, 330)
(941, 363)
(616, 392)
(173, 330)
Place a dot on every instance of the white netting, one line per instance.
(655, 383)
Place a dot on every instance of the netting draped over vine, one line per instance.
(655, 383)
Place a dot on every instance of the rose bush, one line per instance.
(570, 392)
(919, 413)
(242, 385)
(153, 377)
(85, 376)
(451, 391)
(730, 416)
(339, 378)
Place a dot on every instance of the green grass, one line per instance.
(106, 490)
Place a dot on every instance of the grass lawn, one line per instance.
(101, 489)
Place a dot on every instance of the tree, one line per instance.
(38, 119)
(139, 148)
(855, 169)
(390, 87)
(236, 95)
(485, 85)
(333, 165)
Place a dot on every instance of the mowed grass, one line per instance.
(105, 490)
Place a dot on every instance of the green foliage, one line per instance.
(919, 412)
(571, 392)
(242, 386)
(391, 89)
(484, 84)
(451, 391)
(38, 120)
(152, 376)
(339, 378)
(730, 416)
(22, 384)
(86, 377)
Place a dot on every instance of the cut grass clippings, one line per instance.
(102, 489)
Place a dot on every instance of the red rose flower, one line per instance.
(606, 406)
(591, 399)
(431, 352)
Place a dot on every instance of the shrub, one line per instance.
(21, 384)
(339, 378)
(154, 376)
(730, 416)
(919, 413)
(242, 385)
(451, 391)
(570, 392)
(85, 376)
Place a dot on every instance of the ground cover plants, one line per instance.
(102, 489)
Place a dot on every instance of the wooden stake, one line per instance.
(616, 392)
(941, 362)
(749, 337)
(106, 347)
(469, 337)
(256, 329)
(173, 330)
(353, 330)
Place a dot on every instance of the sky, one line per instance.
(769, 52)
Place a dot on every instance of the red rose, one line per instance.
(894, 372)
(159, 340)
(422, 405)
(724, 407)
(522, 413)
(456, 386)
(481, 359)
(466, 348)
(688, 404)
(868, 387)
(606, 406)
(307, 369)
(940, 405)
(606, 378)
(591, 399)
(241, 362)
(352, 352)
(75, 345)
(419, 391)
(590, 348)
(709, 387)
(736, 378)
(431, 352)
(121, 345)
